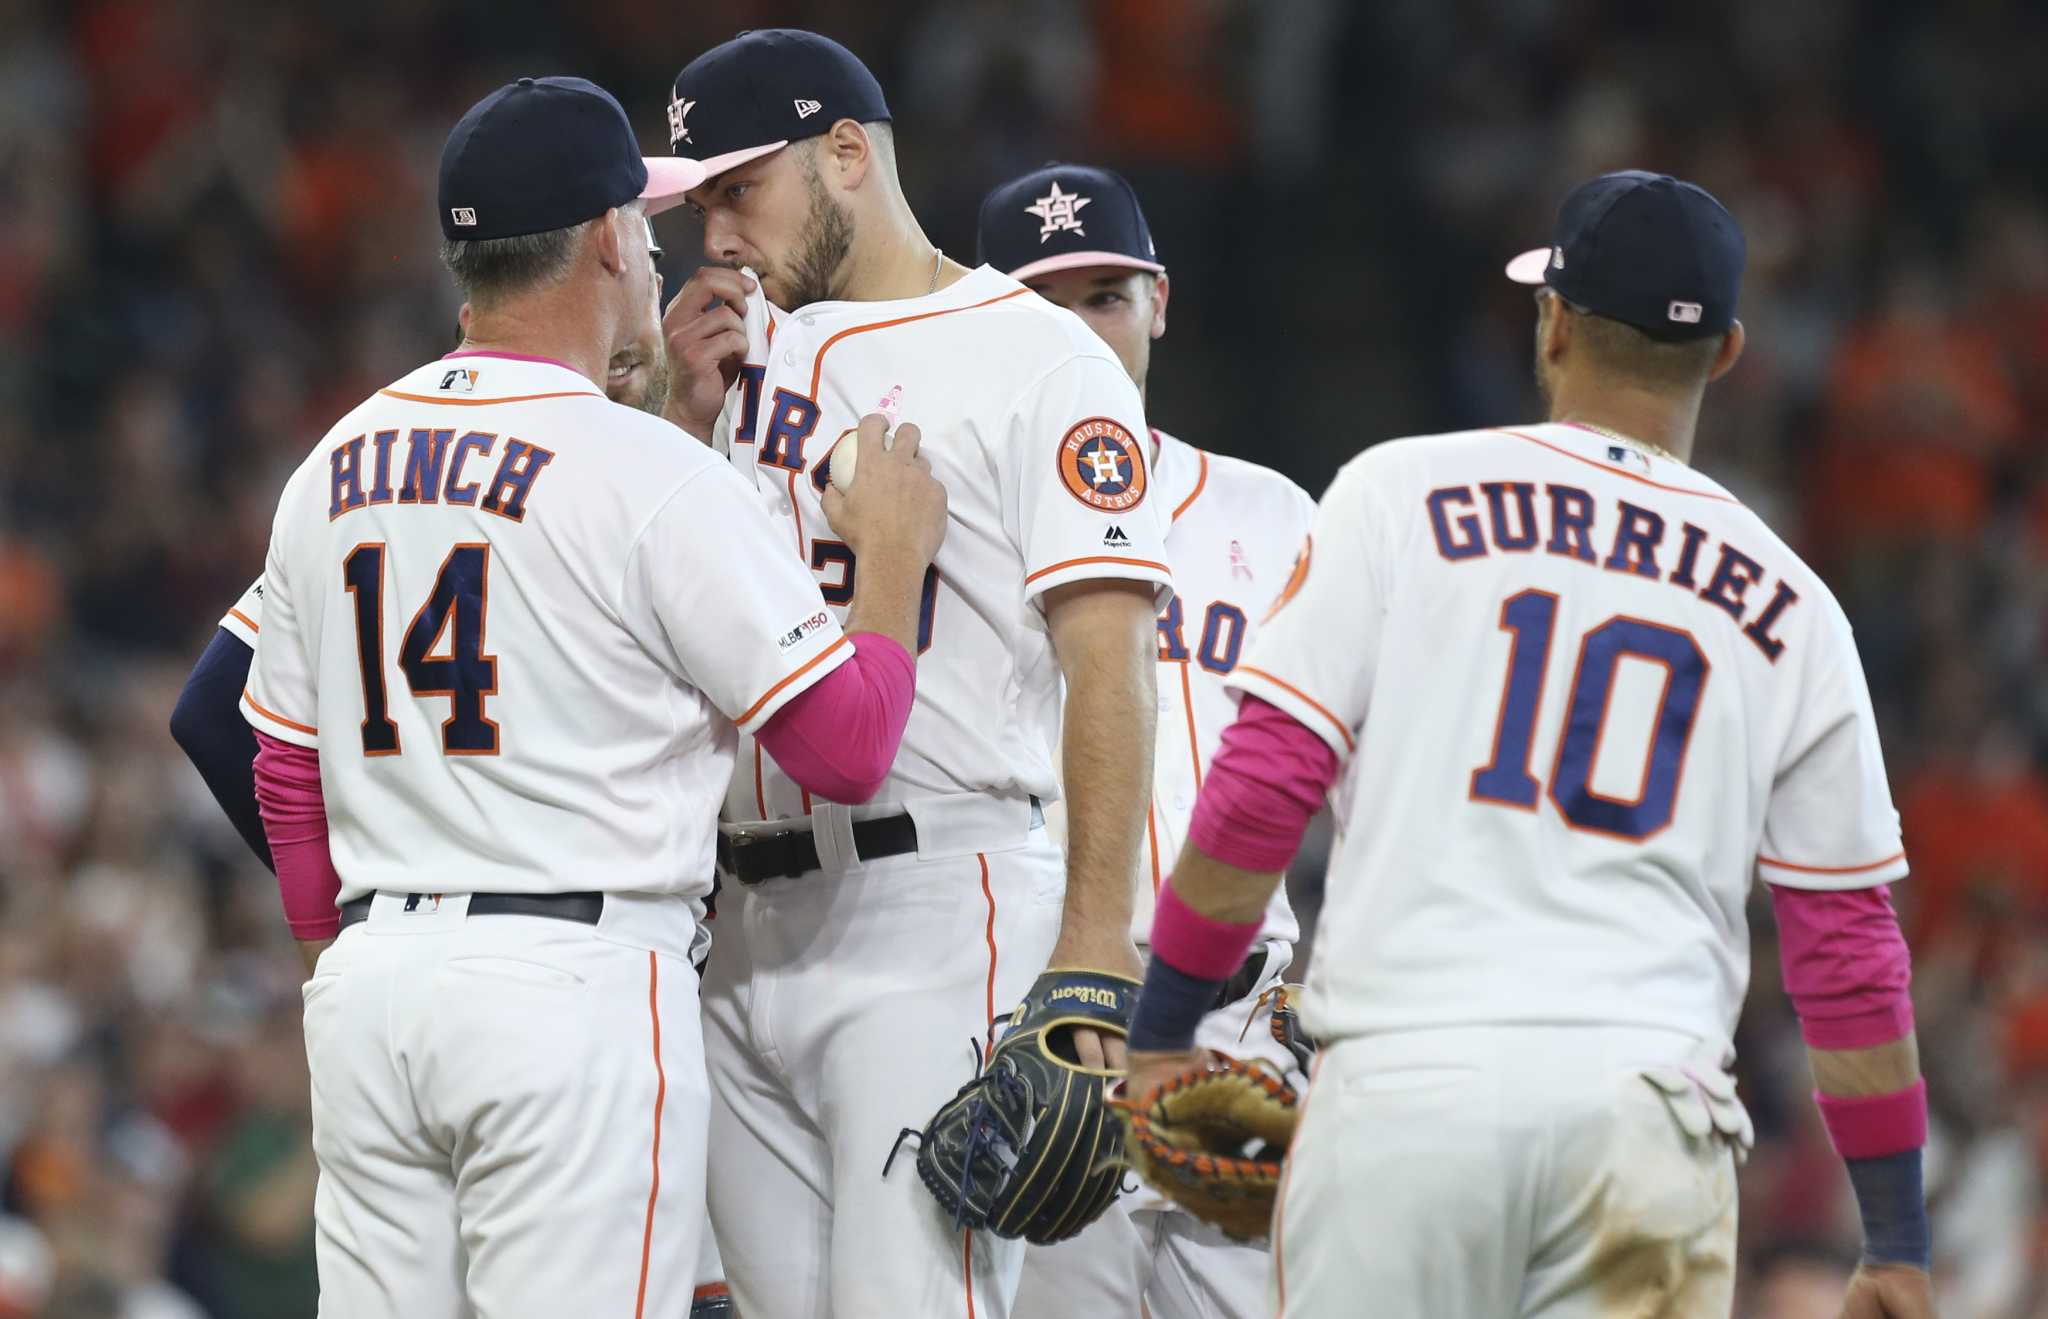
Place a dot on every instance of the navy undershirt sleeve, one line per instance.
(208, 724)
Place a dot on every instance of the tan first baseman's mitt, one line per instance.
(1213, 1140)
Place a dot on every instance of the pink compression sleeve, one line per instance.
(1269, 776)
(1846, 967)
(839, 736)
(295, 821)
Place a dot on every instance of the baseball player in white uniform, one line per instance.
(1076, 236)
(495, 694)
(1578, 696)
(209, 726)
(863, 954)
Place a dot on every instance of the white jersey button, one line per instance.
(789, 358)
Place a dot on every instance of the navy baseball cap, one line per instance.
(1064, 217)
(1645, 249)
(762, 91)
(546, 153)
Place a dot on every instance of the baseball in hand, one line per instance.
(844, 455)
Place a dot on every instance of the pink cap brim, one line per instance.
(697, 171)
(1528, 268)
(668, 178)
(1081, 261)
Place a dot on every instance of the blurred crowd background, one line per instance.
(216, 235)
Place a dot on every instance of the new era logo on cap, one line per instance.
(463, 215)
(805, 109)
(1686, 313)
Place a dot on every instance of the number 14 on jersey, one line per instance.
(464, 674)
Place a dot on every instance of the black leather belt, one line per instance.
(583, 908)
(754, 855)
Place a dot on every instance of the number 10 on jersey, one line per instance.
(464, 674)
(1531, 618)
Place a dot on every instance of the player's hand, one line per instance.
(1889, 1291)
(895, 509)
(1151, 1068)
(1116, 954)
(706, 336)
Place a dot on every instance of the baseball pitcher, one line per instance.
(864, 953)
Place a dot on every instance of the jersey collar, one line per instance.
(1179, 472)
(476, 376)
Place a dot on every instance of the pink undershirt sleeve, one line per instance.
(1845, 964)
(295, 823)
(839, 737)
(1269, 776)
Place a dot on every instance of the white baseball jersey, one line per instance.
(1235, 531)
(1585, 696)
(503, 610)
(1038, 435)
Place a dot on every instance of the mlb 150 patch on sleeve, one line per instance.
(796, 634)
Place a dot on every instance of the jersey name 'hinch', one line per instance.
(433, 470)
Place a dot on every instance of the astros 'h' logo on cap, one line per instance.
(1099, 465)
(677, 132)
(1059, 210)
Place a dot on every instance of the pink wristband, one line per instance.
(1195, 944)
(1872, 1126)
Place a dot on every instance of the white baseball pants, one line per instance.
(839, 1009)
(1508, 1171)
(509, 1113)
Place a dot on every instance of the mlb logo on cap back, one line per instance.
(541, 154)
(1035, 225)
(1644, 249)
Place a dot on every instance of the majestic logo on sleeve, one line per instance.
(1059, 210)
(677, 134)
(1100, 466)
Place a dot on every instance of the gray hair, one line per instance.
(488, 270)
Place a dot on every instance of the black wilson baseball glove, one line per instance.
(1028, 1148)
